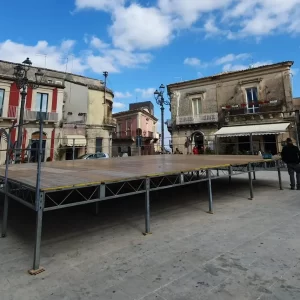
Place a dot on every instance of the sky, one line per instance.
(145, 43)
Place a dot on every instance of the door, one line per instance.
(35, 150)
(98, 145)
(270, 144)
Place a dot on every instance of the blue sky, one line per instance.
(145, 43)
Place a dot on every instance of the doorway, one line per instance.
(34, 149)
(198, 139)
(270, 144)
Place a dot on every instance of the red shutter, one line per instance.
(54, 100)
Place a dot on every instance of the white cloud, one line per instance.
(122, 95)
(105, 5)
(232, 57)
(192, 61)
(98, 44)
(137, 27)
(150, 26)
(146, 93)
(98, 56)
(238, 67)
(118, 105)
(55, 57)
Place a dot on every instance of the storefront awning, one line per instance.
(77, 140)
(262, 129)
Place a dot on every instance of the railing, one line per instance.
(109, 121)
(30, 115)
(196, 119)
(129, 134)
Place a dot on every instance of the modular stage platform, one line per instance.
(70, 183)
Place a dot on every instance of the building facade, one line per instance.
(132, 125)
(68, 100)
(235, 112)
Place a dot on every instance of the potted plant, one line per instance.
(228, 106)
(243, 105)
(266, 101)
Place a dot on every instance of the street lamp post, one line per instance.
(22, 82)
(160, 100)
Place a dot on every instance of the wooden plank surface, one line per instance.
(66, 174)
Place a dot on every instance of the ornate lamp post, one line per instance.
(160, 100)
(22, 82)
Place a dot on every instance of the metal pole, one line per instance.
(249, 167)
(230, 173)
(101, 196)
(254, 174)
(216, 145)
(210, 201)
(20, 127)
(39, 203)
(162, 129)
(279, 175)
(5, 208)
(73, 150)
(105, 77)
(147, 207)
(36, 269)
(251, 144)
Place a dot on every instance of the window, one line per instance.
(252, 100)
(1, 101)
(42, 102)
(128, 127)
(197, 106)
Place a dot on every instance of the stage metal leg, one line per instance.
(101, 196)
(210, 201)
(5, 207)
(254, 174)
(229, 173)
(218, 174)
(249, 168)
(4, 216)
(279, 175)
(147, 207)
(36, 269)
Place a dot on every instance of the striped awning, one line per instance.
(262, 129)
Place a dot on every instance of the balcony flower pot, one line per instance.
(261, 102)
(228, 106)
(266, 101)
(243, 105)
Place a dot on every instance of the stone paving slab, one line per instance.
(246, 250)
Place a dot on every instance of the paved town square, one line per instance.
(246, 250)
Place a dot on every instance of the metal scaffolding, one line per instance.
(62, 197)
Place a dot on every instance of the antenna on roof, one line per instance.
(179, 78)
(67, 64)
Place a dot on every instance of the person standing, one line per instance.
(291, 156)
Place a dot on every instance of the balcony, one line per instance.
(109, 121)
(30, 115)
(150, 134)
(197, 119)
(125, 135)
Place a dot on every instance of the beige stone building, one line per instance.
(79, 114)
(235, 112)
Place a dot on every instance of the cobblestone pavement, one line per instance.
(246, 250)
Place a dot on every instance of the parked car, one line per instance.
(98, 155)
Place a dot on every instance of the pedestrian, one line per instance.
(195, 150)
(291, 156)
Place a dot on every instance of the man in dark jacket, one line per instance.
(291, 156)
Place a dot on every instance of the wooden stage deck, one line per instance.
(79, 173)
